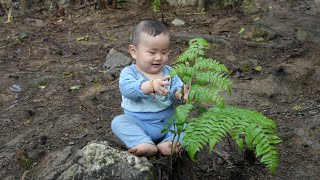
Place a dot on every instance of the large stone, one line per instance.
(95, 161)
(258, 33)
(182, 2)
(115, 59)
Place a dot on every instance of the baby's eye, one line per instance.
(166, 52)
(151, 52)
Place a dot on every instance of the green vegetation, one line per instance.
(156, 4)
(214, 120)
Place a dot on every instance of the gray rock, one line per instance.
(64, 3)
(96, 161)
(182, 2)
(115, 59)
(221, 25)
(178, 22)
(52, 165)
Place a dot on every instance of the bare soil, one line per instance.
(65, 49)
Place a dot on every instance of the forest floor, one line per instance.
(55, 92)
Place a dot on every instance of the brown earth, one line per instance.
(67, 48)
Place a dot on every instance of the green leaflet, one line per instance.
(215, 120)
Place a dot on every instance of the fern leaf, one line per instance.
(216, 80)
(242, 124)
(196, 49)
(209, 64)
(172, 72)
(249, 129)
(184, 70)
(170, 122)
(182, 111)
(258, 139)
(195, 138)
(203, 94)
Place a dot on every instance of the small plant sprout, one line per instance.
(156, 4)
(213, 120)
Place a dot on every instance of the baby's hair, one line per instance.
(150, 27)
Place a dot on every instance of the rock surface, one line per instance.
(96, 161)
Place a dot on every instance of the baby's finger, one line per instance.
(187, 87)
(165, 83)
(165, 78)
(164, 91)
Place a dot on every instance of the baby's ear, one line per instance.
(133, 51)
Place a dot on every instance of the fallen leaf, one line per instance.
(241, 30)
(296, 107)
(245, 67)
(92, 68)
(43, 86)
(43, 83)
(75, 87)
(83, 38)
(103, 71)
(258, 68)
(98, 85)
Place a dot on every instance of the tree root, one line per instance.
(227, 41)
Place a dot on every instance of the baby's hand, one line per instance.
(159, 85)
(186, 92)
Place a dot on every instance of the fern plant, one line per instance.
(208, 79)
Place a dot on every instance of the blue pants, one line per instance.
(136, 128)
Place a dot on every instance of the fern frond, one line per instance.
(249, 129)
(182, 112)
(264, 145)
(257, 130)
(199, 43)
(209, 64)
(184, 70)
(195, 137)
(178, 119)
(208, 129)
(214, 79)
(204, 94)
(197, 47)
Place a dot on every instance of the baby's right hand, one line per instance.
(159, 85)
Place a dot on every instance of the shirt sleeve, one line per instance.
(130, 85)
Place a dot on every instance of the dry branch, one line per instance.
(227, 41)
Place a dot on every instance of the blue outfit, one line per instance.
(144, 118)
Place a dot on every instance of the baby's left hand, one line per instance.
(186, 92)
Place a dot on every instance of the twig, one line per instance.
(112, 82)
(86, 5)
(24, 175)
(227, 41)
(211, 38)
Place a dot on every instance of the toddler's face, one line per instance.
(152, 53)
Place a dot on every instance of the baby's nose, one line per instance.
(158, 56)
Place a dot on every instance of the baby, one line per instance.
(148, 93)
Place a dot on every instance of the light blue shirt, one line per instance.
(134, 99)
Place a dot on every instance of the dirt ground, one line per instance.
(64, 97)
